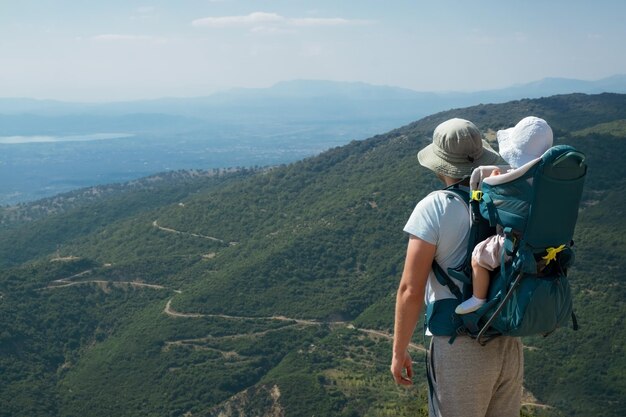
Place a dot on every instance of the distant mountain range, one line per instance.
(317, 96)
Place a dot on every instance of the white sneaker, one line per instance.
(469, 305)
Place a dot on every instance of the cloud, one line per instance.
(254, 18)
(263, 21)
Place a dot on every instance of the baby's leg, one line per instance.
(480, 280)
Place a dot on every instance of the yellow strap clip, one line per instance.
(551, 253)
(477, 195)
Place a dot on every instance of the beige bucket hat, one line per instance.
(457, 149)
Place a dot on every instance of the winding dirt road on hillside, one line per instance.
(173, 313)
(68, 279)
(69, 282)
(167, 229)
(133, 284)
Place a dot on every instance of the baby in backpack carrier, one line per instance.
(519, 145)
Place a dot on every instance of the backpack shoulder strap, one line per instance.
(456, 192)
(441, 275)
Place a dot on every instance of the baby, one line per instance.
(519, 145)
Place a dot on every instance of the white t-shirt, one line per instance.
(442, 220)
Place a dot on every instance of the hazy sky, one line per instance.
(124, 49)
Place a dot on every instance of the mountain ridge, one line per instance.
(304, 88)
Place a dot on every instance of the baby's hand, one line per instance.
(495, 172)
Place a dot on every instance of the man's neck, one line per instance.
(449, 181)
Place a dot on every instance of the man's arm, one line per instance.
(409, 301)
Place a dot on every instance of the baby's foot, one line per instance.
(470, 305)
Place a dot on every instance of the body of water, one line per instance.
(15, 140)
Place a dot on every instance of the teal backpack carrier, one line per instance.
(535, 207)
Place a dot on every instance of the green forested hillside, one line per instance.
(271, 292)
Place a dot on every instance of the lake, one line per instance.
(14, 140)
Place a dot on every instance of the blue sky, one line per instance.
(126, 50)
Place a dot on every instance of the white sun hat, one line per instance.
(528, 140)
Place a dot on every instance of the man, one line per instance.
(466, 379)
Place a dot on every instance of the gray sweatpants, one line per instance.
(470, 380)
